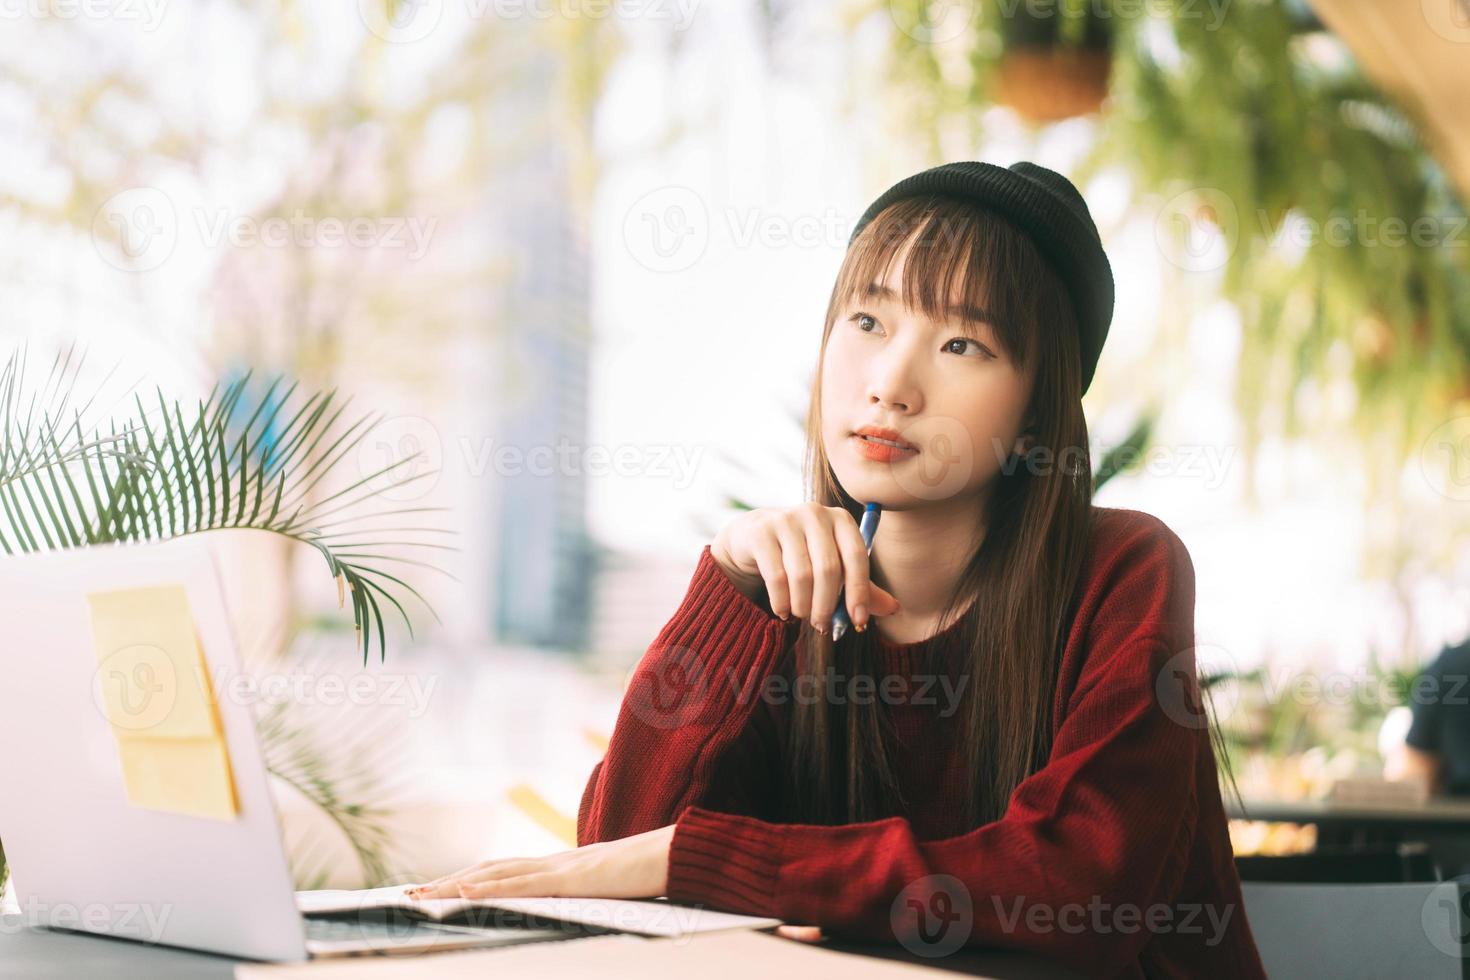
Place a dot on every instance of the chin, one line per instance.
(865, 489)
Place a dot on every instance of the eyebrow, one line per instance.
(963, 311)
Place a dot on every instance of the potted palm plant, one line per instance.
(175, 468)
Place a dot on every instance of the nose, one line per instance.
(893, 381)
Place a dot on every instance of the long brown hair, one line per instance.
(1019, 584)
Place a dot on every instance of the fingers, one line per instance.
(449, 885)
(441, 888)
(445, 886)
(881, 601)
(768, 558)
(826, 565)
(792, 541)
(805, 934)
(855, 579)
(542, 884)
(503, 869)
(806, 557)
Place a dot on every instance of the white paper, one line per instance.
(652, 917)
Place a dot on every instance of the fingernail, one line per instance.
(860, 614)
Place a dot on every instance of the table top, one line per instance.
(53, 954)
(48, 953)
(1442, 811)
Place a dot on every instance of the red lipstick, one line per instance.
(882, 445)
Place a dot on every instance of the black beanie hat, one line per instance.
(1050, 211)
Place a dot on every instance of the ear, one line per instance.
(1024, 440)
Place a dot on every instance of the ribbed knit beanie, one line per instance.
(1050, 211)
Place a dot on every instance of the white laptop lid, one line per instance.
(84, 857)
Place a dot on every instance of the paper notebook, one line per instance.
(643, 917)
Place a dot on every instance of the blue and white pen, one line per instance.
(867, 527)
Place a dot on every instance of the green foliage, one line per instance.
(348, 796)
(1117, 459)
(1285, 714)
(1254, 119)
(177, 469)
(1258, 120)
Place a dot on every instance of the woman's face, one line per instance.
(947, 388)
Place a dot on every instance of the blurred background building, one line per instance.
(545, 561)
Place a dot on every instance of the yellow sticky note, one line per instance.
(154, 687)
(179, 775)
(150, 670)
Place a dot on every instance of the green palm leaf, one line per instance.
(176, 469)
(350, 795)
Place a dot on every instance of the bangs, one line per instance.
(957, 254)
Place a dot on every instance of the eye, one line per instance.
(863, 322)
(979, 347)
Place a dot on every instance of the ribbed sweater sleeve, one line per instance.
(1109, 819)
(688, 731)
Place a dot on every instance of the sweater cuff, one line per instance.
(725, 860)
(721, 623)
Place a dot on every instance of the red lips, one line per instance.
(878, 432)
(882, 452)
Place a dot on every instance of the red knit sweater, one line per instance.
(1112, 859)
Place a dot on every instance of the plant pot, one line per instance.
(1046, 78)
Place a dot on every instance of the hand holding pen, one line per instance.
(804, 561)
(841, 623)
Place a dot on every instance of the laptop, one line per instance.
(85, 858)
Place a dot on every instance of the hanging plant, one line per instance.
(1254, 122)
(1055, 61)
(1316, 168)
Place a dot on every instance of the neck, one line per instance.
(918, 555)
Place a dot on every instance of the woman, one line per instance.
(1015, 755)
